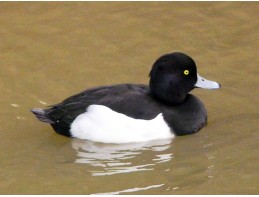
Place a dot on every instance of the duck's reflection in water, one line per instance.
(109, 159)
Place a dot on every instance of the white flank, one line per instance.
(101, 124)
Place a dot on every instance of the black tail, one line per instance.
(41, 115)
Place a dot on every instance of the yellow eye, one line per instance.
(186, 72)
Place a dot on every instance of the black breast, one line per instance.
(186, 118)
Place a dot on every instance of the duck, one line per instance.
(127, 113)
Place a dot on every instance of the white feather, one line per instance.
(101, 124)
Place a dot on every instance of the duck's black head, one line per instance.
(173, 76)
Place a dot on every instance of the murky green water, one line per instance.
(49, 51)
